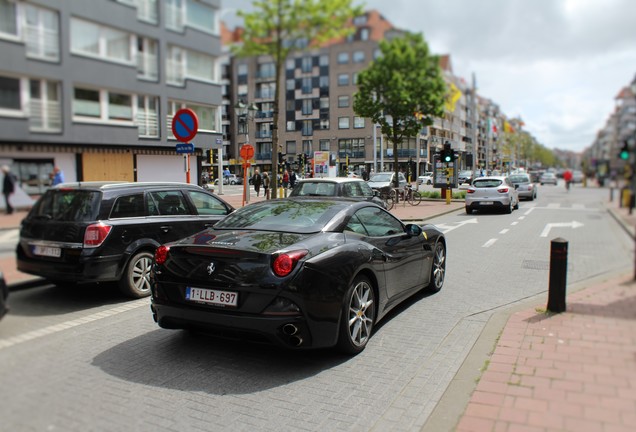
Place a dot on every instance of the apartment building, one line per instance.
(317, 106)
(92, 87)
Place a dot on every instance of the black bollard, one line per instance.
(558, 275)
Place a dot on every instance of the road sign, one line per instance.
(185, 125)
(247, 152)
(185, 148)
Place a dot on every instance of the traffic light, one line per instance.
(212, 156)
(448, 154)
(624, 153)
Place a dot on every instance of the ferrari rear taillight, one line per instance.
(95, 234)
(502, 190)
(285, 262)
(161, 254)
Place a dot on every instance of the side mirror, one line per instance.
(413, 230)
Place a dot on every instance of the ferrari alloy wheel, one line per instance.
(438, 268)
(358, 316)
(135, 281)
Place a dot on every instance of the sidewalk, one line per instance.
(13, 277)
(573, 371)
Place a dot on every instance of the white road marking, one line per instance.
(503, 231)
(514, 223)
(548, 227)
(6, 343)
(490, 243)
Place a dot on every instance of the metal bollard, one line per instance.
(558, 275)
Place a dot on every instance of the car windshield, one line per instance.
(68, 205)
(283, 215)
(309, 188)
(381, 177)
(487, 183)
(520, 179)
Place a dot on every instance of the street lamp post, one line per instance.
(245, 113)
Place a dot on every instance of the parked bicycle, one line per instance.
(412, 196)
(387, 196)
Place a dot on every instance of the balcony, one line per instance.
(147, 67)
(263, 156)
(148, 125)
(45, 117)
(263, 134)
(41, 43)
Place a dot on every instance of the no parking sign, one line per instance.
(185, 125)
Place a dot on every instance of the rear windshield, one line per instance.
(314, 189)
(520, 179)
(67, 205)
(487, 183)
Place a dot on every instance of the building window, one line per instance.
(343, 122)
(324, 145)
(290, 64)
(266, 70)
(10, 95)
(8, 19)
(308, 128)
(343, 79)
(290, 84)
(358, 56)
(99, 41)
(242, 69)
(290, 105)
(351, 147)
(41, 33)
(324, 103)
(146, 9)
(354, 78)
(306, 86)
(102, 106)
(343, 101)
(290, 147)
(306, 64)
(207, 116)
(86, 103)
(323, 81)
(324, 123)
(324, 60)
(191, 13)
(265, 90)
(343, 58)
(182, 64)
(147, 59)
(45, 106)
(377, 53)
(147, 116)
(307, 147)
(364, 34)
(307, 108)
(360, 20)
(291, 126)
(358, 122)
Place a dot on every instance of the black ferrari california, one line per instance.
(299, 272)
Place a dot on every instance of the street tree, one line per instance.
(402, 90)
(279, 27)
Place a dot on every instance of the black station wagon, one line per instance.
(108, 231)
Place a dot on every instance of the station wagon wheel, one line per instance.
(358, 316)
(135, 282)
(438, 268)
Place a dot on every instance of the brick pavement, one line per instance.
(573, 371)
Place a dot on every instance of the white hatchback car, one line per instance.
(492, 193)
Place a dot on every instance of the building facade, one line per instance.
(92, 87)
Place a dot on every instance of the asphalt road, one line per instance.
(90, 359)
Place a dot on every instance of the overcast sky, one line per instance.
(557, 64)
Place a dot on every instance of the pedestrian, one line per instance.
(8, 187)
(365, 175)
(226, 176)
(285, 179)
(266, 185)
(57, 176)
(292, 179)
(256, 181)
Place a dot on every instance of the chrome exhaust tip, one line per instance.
(296, 340)
(290, 329)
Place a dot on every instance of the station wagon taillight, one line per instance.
(96, 234)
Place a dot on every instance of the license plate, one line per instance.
(215, 297)
(486, 203)
(47, 251)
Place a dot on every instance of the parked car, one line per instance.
(384, 181)
(577, 176)
(491, 193)
(105, 231)
(426, 178)
(298, 272)
(465, 176)
(233, 179)
(548, 178)
(4, 294)
(346, 187)
(525, 188)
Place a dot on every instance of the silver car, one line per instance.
(525, 188)
(492, 193)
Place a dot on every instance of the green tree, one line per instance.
(402, 90)
(279, 27)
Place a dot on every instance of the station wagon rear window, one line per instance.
(68, 205)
